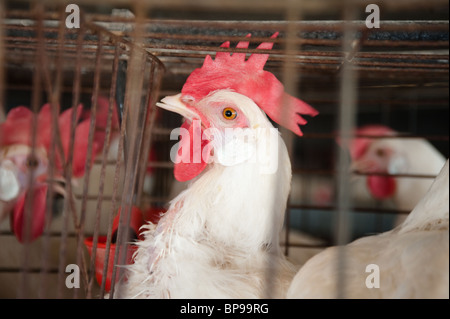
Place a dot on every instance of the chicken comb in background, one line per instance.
(247, 77)
(358, 146)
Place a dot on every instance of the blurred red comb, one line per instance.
(359, 145)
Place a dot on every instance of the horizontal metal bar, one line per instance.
(299, 245)
(333, 172)
(308, 6)
(29, 270)
(353, 209)
(398, 136)
(50, 233)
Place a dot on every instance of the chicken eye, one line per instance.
(32, 162)
(380, 152)
(229, 113)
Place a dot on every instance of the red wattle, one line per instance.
(189, 161)
(381, 187)
(37, 216)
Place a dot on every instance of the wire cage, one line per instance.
(117, 84)
(400, 74)
(395, 75)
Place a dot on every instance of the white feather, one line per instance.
(9, 185)
(414, 156)
(413, 259)
(220, 236)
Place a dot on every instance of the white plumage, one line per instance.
(213, 242)
(413, 258)
(415, 156)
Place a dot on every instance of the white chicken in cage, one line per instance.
(213, 242)
(410, 261)
(392, 155)
(179, 43)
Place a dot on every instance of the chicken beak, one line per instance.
(358, 166)
(193, 151)
(174, 104)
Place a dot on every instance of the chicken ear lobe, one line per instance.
(237, 146)
(193, 152)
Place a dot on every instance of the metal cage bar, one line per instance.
(349, 72)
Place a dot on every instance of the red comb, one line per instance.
(232, 71)
(359, 145)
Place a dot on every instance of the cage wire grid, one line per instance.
(342, 68)
(56, 57)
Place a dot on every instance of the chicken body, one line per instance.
(411, 260)
(221, 244)
(220, 236)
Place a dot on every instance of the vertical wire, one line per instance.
(148, 129)
(137, 116)
(53, 95)
(54, 98)
(287, 77)
(346, 124)
(112, 92)
(293, 14)
(88, 164)
(36, 99)
(120, 158)
(69, 204)
(2, 65)
(126, 158)
(151, 89)
(293, 10)
(105, 152)
(80, 260)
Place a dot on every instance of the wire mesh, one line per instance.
(45, 61)
(396, 75)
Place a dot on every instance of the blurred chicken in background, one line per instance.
(24, 172)
(392, 155)
(410, 261)
(370, 153)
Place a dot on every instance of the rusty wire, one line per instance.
(316, 48)
(77, 57)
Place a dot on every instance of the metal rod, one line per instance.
(55, 110)
(119, 156)
(36, 98)
(69, 202)
(90, 155)
(2, 64)
(346, 124)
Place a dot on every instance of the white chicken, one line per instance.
(220, 236)
(392, 155)
(377, 154)
(410, 261)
